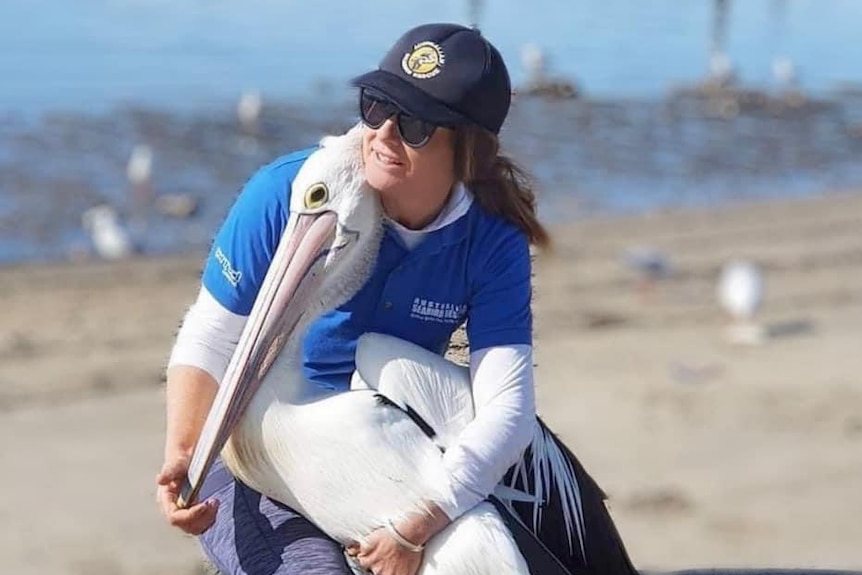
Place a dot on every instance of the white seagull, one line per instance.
(721, 71)
(783, 68)
(248, 109)
(740, 293)
(784, 73)
(533, 60)
(352, 461)
(111, 240)
(139, 169)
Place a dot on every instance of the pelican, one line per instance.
(351, 461)
(740, 293)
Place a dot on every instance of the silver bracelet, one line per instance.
(390, 528)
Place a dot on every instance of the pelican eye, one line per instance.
(316, 196)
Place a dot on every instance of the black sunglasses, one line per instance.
(375, 108)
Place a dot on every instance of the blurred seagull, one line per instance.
(783, 68)
(140, 167)
(650, 265)
(180, 206)
(474, 12)
(539, 82)
(139, 170)
(740, 293)
(248, 110)
(111, 241)
(721, 72)
(533, 60)
(784, 73)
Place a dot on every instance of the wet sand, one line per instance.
(712, 454)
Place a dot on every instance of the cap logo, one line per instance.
(424, 61)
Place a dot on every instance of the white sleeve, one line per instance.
(208, 336)
(505, 421)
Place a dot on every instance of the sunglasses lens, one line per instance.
(375, 110)
(414, 131)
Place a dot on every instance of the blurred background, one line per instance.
(698, 323)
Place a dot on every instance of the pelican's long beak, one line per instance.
(290, 282)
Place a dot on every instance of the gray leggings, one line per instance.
(254, 535)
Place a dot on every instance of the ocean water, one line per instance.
(92, 54)
(82, 83)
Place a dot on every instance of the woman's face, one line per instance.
(394, 168)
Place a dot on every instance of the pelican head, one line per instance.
(325, 254)
(333, 229)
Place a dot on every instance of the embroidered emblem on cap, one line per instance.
(424, 61)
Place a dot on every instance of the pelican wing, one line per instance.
(554, 509)
(416, 379)
(569, 516)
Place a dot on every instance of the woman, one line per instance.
(459, 221)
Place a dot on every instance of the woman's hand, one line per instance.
(190, 393)
(382, 555)
(193, 520)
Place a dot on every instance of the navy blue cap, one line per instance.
(445, 74)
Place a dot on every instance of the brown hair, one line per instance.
(499, 185)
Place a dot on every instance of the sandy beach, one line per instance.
(713, 454)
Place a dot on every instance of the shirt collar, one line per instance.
(456, 207)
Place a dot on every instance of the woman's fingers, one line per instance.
(173, 470)
(196, 519)
(365, 561)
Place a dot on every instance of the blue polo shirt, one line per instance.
(476, 269)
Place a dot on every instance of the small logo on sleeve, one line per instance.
(232, 275)
(427, 310)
